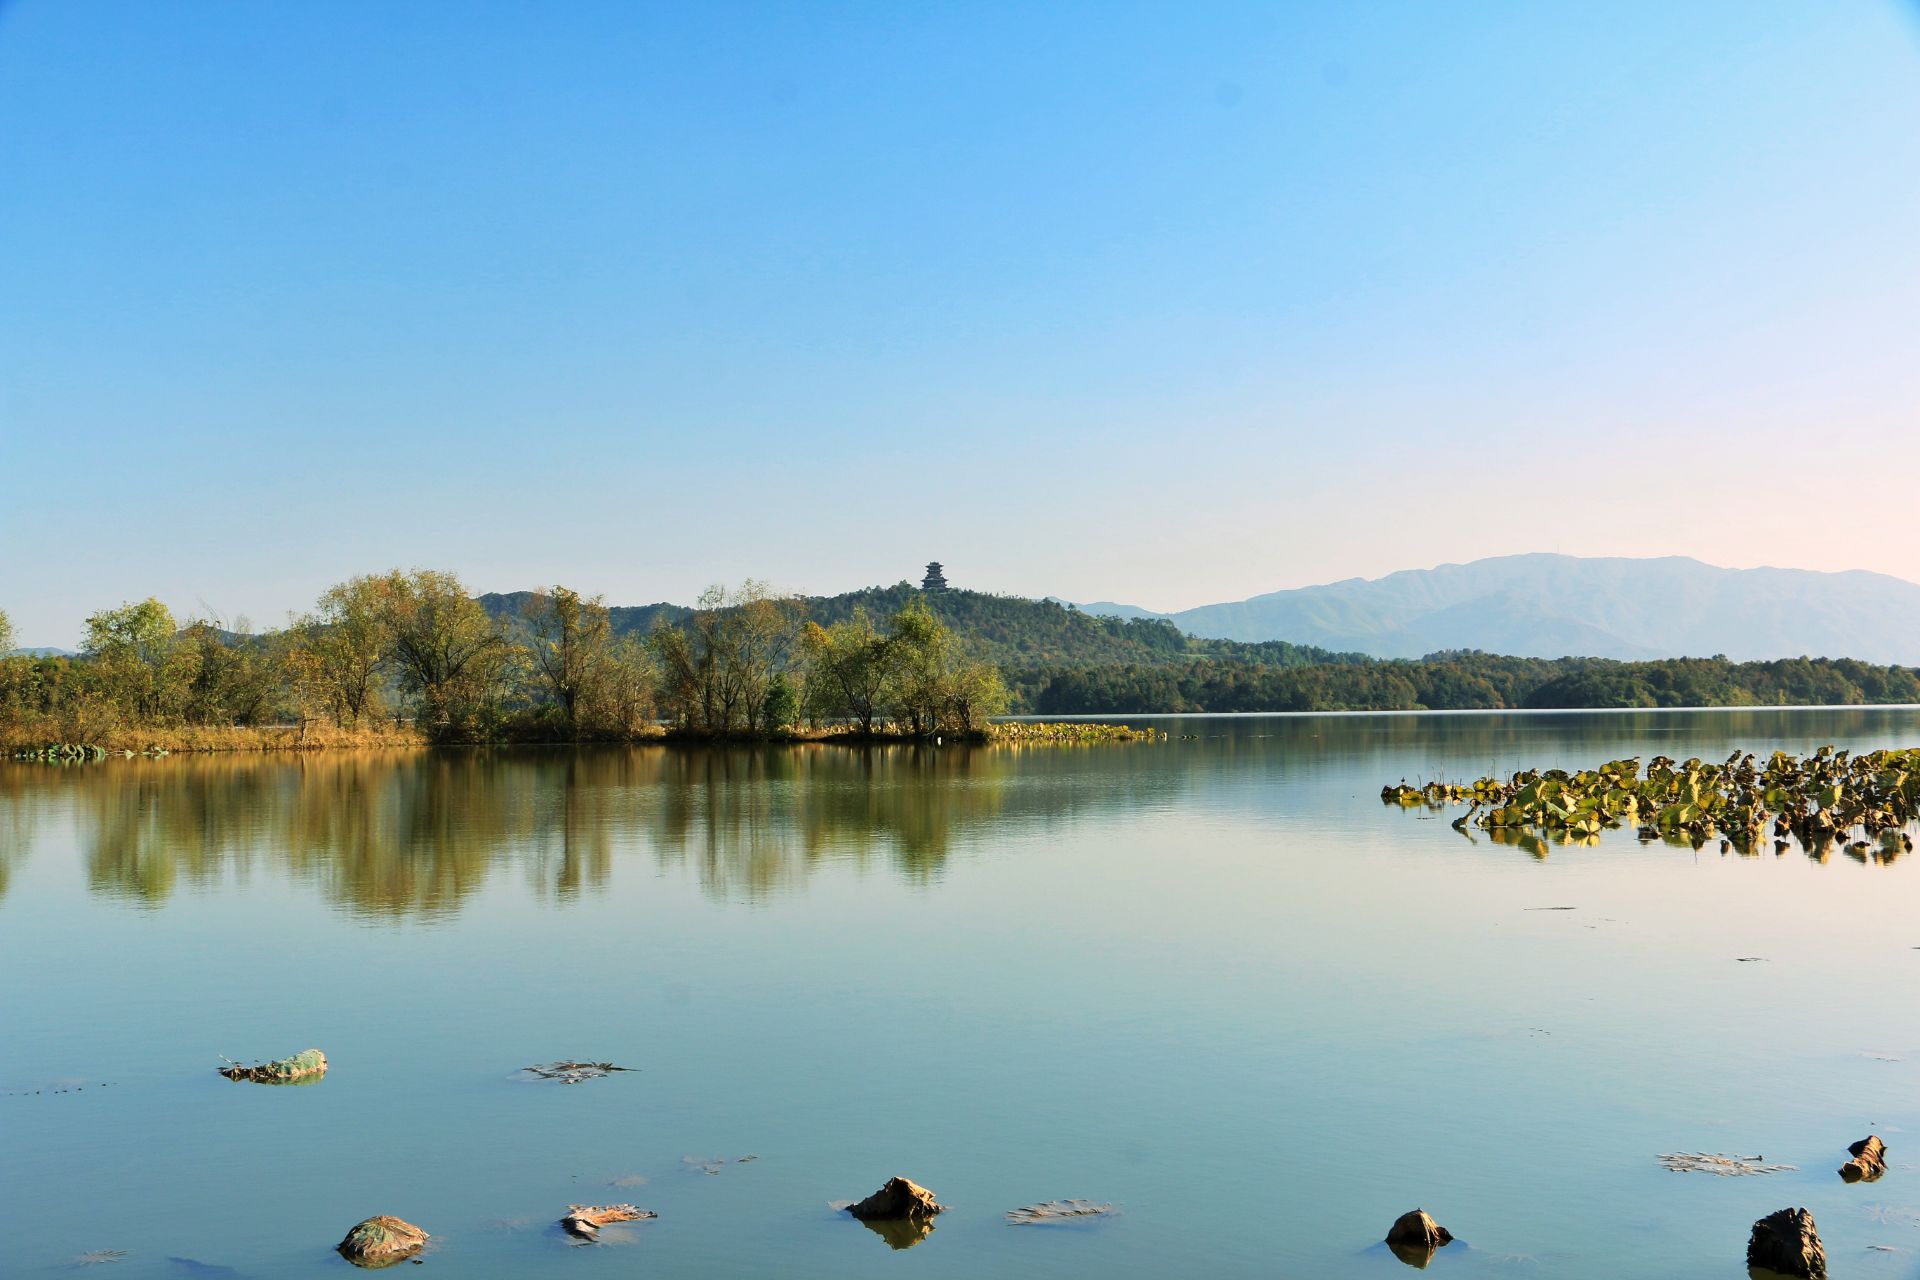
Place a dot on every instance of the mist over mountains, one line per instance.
(1550, 606)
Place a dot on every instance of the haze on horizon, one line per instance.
(1149, 304)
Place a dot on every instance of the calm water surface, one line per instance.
(1213, 981)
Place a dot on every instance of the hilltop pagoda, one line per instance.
(935, 580)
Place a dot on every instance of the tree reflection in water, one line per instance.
(416, 833)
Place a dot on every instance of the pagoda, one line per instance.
(935, 580)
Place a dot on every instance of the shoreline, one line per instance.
(18, 743)
(238, 740)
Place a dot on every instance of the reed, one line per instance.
(41, 736)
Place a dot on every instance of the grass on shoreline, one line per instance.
(208, 739)
(191, 739)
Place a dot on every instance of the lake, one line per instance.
(1213, 981)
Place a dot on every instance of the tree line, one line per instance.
(1457, 681)
(416, 648)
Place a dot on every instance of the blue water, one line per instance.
(1213, 981)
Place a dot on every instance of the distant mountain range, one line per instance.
(1552, 606)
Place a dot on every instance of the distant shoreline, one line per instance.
(1472, 711)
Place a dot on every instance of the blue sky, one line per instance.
(1160, 303)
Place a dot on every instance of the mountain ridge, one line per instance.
(1537, 604)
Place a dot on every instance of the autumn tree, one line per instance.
(303, 681)
(685, 674)
(718, 666)
(338, 652)
(228, 676)
(571, 647)
(619, 701)
(450, 654)
(759, 633)
(135, 659)
(18, 687)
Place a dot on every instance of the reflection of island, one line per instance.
(754, 821)
(901, 1233)
(418, 832)
(1419, 1257)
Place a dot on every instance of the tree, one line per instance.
(19, 687)
(339, 651)
(302, 677)
(782, 706)
(975, 693)
(141, 632)
(922, 647)
(849, 668)
(133, 651)
(572, 645)
(759, 632)
(228, 679)
(684, 674)
(619, 701)
(934, 685)
(717, 667)
(451, 655)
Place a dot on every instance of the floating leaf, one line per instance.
(571, 1072)
(1059, 1211)
(1724, 1166)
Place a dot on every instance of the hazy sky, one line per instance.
(1164, 303)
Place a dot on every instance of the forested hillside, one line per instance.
(1009, 631)
(1059, 660)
